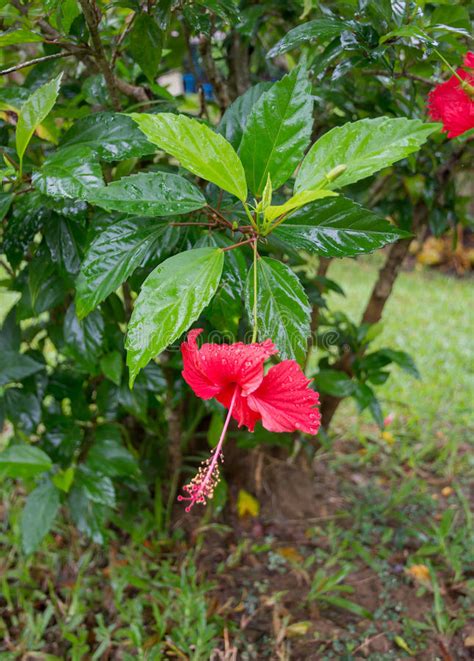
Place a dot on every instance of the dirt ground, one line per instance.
(264, 585)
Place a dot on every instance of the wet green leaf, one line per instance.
(363, 147)
(170, 300)
(198, 148)
(234, 120)
(84, 338)
(321, 29)
(34, 111)
(278, 131)
(149, 194)
(110, 135)
(111, 366)
(112, 257)
(146, 44)
(16, 366)
(337, 227)
(70, 172)
(283, 310)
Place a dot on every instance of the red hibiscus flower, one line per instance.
(452, 102)
(234, 375)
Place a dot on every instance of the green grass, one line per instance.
(430, 316)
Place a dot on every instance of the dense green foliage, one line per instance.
(122, 205)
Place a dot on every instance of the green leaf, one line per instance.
(110, 135)
(283, 310)
(321, 29)
(19, 36)
(402, 359)
(278, 131)
(198, 148)
(69, 172)
(337, 227)
(66, 12)
(111, 366)
(455, 17)
(83, 339)
(346, 604)
(108, 454)
(38, 515)
(171, 299)
(23, 409)
(234, 120)
(146, 44)
(5, 202)
(66, 238)
(112, 257)
(149, 194)
(334, 382)
(88, 515)
(64, 479)
(45, 285)
(363, 394)
(33, 112)
(10, 334)
(98, 487)
(363, 147)
(295, 202)
(225, 309)
(16, 366)
(23, 461)
(410, 32)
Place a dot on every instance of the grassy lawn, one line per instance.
(364, 556)
(430, 316)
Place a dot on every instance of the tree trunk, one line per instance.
(384, 284)
(213, 74)
(238, 60)
(376, 304)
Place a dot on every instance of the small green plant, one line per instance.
(326, 590)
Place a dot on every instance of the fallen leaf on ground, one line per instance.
(247, 504)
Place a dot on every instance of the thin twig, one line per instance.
(92, 15)
(193, 224)
(5, 266)
(214, 213)
(37, 60)
(203, 111)
(253, 239)
(217, 81)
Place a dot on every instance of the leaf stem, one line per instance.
(451, 68)
(36, 60)
(255, 293)
(250, 217)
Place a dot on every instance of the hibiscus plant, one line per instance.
(136, 220)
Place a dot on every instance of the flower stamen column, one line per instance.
(201, 488)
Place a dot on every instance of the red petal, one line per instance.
(469, 60)
(211, 368)
(452, 105)
(192, 372)
(241, 411)
(285, 401)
